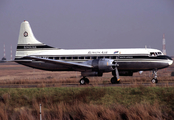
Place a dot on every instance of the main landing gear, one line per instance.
(84, 81)
(154, 80)
(114, 80)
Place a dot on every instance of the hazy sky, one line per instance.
(89, 23)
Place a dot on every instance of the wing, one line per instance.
(75, 66)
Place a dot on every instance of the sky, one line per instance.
(89, 24)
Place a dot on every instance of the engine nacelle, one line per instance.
(103, 65)
(91, 73)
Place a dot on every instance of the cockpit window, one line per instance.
(155, 53)
(152, 54)
(159, 53)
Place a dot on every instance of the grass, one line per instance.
(88, 103)
(91, 103)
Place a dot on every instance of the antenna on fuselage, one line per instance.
(145, 46)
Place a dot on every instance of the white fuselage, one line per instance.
(128, 59)
(133, 59)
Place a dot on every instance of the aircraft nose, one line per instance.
(170, 62)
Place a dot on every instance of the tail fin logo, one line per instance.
(25, 34)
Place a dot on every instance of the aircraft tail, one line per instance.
(27, 43)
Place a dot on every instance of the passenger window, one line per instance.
(68, 57)
(75, 57)
(50, 57)
(94, 57)
(113, 57)
(100, 57)
(81, 57)
(56, 58)
(107, 57)
(87, 57)
(62, 57)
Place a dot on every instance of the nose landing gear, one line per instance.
(84, 81)
(154, 80)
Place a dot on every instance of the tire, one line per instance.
(118, 81)
(113, 80)
(86, 80)
(154, 81)
(82, 81)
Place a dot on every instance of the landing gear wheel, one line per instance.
(114, 80)
(154, 81)
(84, 81)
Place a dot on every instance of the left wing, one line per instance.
(73, 65)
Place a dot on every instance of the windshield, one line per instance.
(155, 53)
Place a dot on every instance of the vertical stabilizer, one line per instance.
(26, 35)
(27, 43)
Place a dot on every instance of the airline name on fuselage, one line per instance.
(30, 47)
(97, 52)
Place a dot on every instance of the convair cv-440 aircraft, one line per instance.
(90, 62)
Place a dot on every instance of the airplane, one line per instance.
(90, 62)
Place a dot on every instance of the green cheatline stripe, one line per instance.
(137, 58)
(119, 60)
(33, 46)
